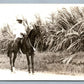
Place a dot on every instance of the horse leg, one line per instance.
(32, 61)
(11, 61)
(15, 55)
(28, 61)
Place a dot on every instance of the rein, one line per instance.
(31, 45)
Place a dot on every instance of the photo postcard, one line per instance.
(41, 42)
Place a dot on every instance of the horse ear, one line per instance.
(22, 34)
(37, 26)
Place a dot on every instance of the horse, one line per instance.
(26, 45)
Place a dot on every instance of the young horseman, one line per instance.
(20, 28)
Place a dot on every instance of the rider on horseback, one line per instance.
(22, 29)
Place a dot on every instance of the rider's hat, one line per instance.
(19, 19)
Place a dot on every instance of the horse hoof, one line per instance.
(32, 73)
(29, 72)
(11, 70)
(14, 70)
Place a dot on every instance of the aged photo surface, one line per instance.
(41, 42)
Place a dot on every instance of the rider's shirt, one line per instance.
(18, 29)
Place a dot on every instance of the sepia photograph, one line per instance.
(41, 42)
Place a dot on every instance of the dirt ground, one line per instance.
(46, 68)
(5, 74)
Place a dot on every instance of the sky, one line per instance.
(9, 12)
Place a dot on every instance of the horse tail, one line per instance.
(9, 48)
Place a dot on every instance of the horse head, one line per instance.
(35, 34)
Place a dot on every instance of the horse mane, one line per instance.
(34, 34)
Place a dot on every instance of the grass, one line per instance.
(47, 62)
